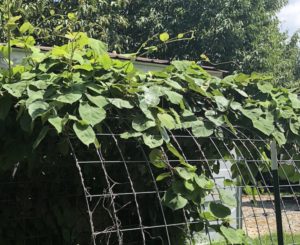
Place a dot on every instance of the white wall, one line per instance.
(18, 54)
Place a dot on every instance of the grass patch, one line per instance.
(266, 240)
(288, 239)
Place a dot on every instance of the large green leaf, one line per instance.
(166, 120)
(295, 125)
(70, 97)
(151, 96)
(97, 46)
(202, 129)
(174, 201)
(164, 134)
(219, 210)
(203, 182)
(214, 117)
(38, 108)
(265, 87)
(252, 113)
(57, 122)
(157, 158)
(227, 197)
(152, 141)
(295, 101)
(173, 84)
(264, 125)
(208, 216)
(287, 112)
(106, 61)
(26, 27)
(85, 133)
(184, 173)
(27, 75)
(90, 114)
(120, 103)
(232, 236)
(286, 171)
(222, 103)
(145, 109)
(181, 65)
(16, 89)
(279, 137)
(140, 123)
(174, 97)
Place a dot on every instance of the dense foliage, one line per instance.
(77, 89)
(244, 33)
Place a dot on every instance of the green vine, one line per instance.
(78, 89)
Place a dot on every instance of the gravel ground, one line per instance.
(259, 218)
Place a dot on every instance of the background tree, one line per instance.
(245, 32)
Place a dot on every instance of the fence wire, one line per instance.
(125, 201)
(119, 201)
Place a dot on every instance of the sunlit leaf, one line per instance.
(85, 133)
(164, 37)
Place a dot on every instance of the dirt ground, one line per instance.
(259, 218)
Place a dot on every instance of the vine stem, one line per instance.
(9, 42)
(84, 192)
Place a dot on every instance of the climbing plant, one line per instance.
(77, 89)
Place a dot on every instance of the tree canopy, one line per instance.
(245, 34)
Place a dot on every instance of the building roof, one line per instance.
(143, 60)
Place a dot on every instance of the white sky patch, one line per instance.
(290, 17)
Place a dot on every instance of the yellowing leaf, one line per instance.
(26, 27)
(180, 35)
(164, 37)
(72, 16)
(204, 57)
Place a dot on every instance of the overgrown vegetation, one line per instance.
(77, 89)
(243, 34)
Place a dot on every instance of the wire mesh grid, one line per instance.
(124, 200)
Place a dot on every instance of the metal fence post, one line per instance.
(239, 221)
(276, 193)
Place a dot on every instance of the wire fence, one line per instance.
(119, 200)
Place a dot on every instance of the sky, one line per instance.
(290, 17)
